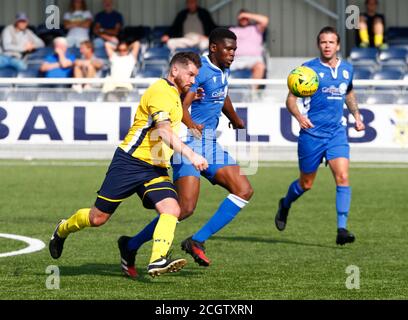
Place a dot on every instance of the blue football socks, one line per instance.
(343, 200)
(143, 236)
(228, 209)
(294, 192)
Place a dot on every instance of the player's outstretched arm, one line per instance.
(167, 135)
(291, 105)
(196, 129)
(352, 106)
(230, 113)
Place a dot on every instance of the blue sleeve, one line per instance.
(199, 80)
(50, 58)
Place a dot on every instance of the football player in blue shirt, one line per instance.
(201, 137)
(322, 134)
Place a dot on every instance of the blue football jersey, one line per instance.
(325, 107)
(214, 81)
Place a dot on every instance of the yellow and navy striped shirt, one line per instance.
(160, 102)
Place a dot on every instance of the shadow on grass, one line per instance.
(272, 241)
(113, 270)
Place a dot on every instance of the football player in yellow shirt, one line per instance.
(140, 164)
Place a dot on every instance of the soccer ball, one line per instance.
(303, 81)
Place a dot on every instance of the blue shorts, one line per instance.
(126, 176)
(211, 150)
(312, 149)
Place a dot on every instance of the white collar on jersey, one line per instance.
(333, 71)
(223, 73)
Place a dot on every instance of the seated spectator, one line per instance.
(17, 40)
(78, 22)
(372, 25)
(123, 61)
(190, 28)
(107, 25)
(88, 66)
(60, 63)
(249, 34)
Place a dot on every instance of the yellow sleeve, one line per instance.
(160, 107)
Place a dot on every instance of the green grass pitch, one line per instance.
(251, 259)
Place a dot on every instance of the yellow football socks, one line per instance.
(163, 236)
(76, 222)
(378, 40)
(364, 36)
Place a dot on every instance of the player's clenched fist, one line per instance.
(199, 162)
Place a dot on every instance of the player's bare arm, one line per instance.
(195, 128)
(166, 133)
(292, 107)
(352, 106)
(229, 111)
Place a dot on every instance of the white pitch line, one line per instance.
(33, 245)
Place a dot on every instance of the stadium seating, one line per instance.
(40, 54)
(389, 74)
(381, 98)
(364, 56)
(156, 34)
(152, 72)
(393, 57)
(362, 73)
(133, 33)
(157, 53)
(32, 71)
(397, 35)
(402, 99)
(8, 72)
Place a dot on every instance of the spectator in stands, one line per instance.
(60, 63)
(107, 25)
(88, 66)
(372, 24)
(17, 40)
(78, 22)
(123, 61)
(249, 32)
(191, 28)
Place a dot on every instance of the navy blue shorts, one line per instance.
(312, 150)
(126, 176)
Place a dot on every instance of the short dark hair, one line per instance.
(328, 29)
(185, 57)
(219, 34)
(87, 44)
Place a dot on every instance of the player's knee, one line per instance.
(187, 210)
(174, 211)
(245, 193)
(342, 178)
(98, 218)
(306, 185)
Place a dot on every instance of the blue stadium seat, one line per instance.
(395, 57)
(40, 53)
(33, 71)
(362, 73)
(158, 31)
(150, 73)
(363, 56)
(241, 74)
(381, 98)
(157, 53)
(75, 51)
(389, 74)
(133, 33)
(397, 35)
(8, 72)
(101, 53)
(402, 99)
(193, 49)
